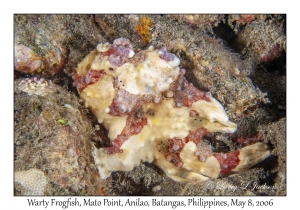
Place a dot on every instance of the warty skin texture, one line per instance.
(153, 114)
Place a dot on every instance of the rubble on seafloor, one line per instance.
(235, 66)
(52, 141)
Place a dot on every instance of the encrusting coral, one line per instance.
(32, 181)
(152, 113)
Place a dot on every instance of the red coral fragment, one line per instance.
(81, 82)
(123, 103)
(228, 161)
(185, 94)
(134, 124)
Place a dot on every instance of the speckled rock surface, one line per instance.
(227, 56)
(52, 141)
